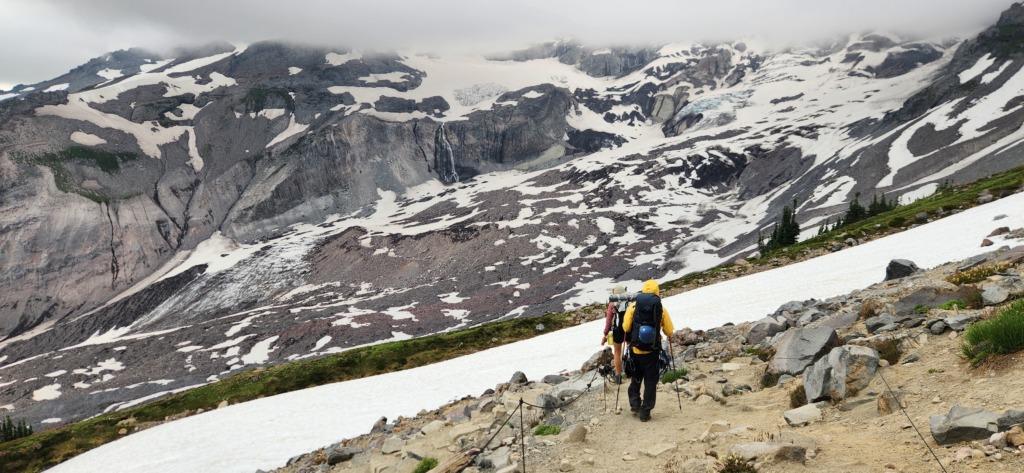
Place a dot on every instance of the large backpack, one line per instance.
(644, 333)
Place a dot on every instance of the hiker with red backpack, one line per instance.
(613, 333)
(643, 319)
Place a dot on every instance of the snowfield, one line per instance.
(264, 433)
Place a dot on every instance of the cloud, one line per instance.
(40, 39)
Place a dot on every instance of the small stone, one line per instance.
(122, 432)
(986, 242)
(628, 458)
(657, 450)
(802, 415)
(518, 378)
(577, 434)
(565, 465)
(222, 404)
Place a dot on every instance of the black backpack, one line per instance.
(645, 332)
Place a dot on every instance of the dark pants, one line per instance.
(647, 373)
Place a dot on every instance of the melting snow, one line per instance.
(260, 352)
(58, 87)
(47, 393)
(980, 66)
(294, 70)
(86, 139)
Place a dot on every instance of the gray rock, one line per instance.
(337, 454)
(1010, 418)
(844, 372)
(553, 379)
(963, 424)
(960, 322)
(392, 444)
(497, 459)
(597, 360)
(800, 347)
(518, 378)
(999, 231)
(809, 316)
(994, 294)
(765, 328)
(900, 268)
(577, 433)
(937, 327)
(802, 415)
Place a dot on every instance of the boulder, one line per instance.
(577, 433)
(800, 347)
(597, 360)
(933, 295)
(963, 424)
(986, 242)
(937, 327)
(762, 451)
(999, 231)
(1015, 437)
(1010, 418)
(337, 454)
(802, 415)
(518, 378)
(765, 328)
(993, 294)
(553, 379)
(845, 371)
(809, 316)
(900, 268)
(960, 322)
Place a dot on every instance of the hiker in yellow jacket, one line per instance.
(641, 323)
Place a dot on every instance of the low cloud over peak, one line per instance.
(40, 39)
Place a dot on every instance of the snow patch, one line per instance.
(260, 352)
(47, 393)
(86, 139)
(57, 88)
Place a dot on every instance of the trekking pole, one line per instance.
(672, 362)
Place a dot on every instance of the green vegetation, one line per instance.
(945, 200)
(733, 464)
(425, 465)
(673, 375)
(858, 212)
(1000, 335)
(921, 309)
(763, 354)
(45, 449)
(106, 161)
(977, 273)
(955, 304)
(784, 233)
(547, 429)
(10, 429)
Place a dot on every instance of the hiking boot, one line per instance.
(645, 415)
(634, 409)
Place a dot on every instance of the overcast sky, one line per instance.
(41, 39)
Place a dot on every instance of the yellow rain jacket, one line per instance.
(650, 287)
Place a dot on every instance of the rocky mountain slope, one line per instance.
(170, 220)
(220, 433)
(732, 402)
